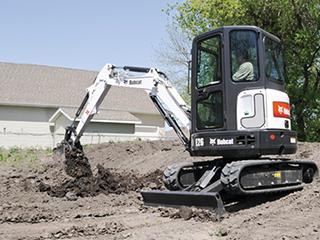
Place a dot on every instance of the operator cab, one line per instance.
(239, 107)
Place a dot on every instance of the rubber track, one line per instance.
(231, 172)
(171, 175)
(229, 177)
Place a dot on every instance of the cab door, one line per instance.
(207, 87)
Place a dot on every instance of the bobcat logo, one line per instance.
(219, 142)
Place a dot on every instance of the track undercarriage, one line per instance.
(209, 184)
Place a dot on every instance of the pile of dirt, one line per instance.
(141, 156)
(84, 182)
(105, 181)
(76, 163)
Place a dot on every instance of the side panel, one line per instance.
(263, 109)
(278, 110)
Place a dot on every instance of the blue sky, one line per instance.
(82, 34)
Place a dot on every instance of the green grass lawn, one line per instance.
(24, 158)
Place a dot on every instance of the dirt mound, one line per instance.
(104, 181)
(77, 164)
(141, 156)
(85, 183)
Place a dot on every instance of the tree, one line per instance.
(174, 56)
(295, 22)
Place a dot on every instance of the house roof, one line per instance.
(103, 115)
(36, 85)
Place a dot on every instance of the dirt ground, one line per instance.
(44, 203)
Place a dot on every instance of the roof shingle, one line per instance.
(36, 85)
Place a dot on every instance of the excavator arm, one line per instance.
(165, 97)
(170, 105)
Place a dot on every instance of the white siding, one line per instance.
(25, 134)
(150, 120)
(25, 126)
(151, 127)
(29, 127)
(97, 132)
(27, 114)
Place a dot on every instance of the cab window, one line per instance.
(274, 66)
(209, 111)
(209, 62)
(244, 55)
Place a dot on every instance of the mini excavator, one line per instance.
(239, 112)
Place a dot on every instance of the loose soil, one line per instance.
(46, 203)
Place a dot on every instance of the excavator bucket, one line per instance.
(76, 164)
(209, 200)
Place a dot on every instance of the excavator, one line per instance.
(240, 114)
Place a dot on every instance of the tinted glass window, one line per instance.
(209, 62)
(209, 111)
(244, 56)
(274, 66)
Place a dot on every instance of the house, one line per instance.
(38, 102)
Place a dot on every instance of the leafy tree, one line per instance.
(174, 56)
(295, 22)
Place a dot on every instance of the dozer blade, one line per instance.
(210, 200)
